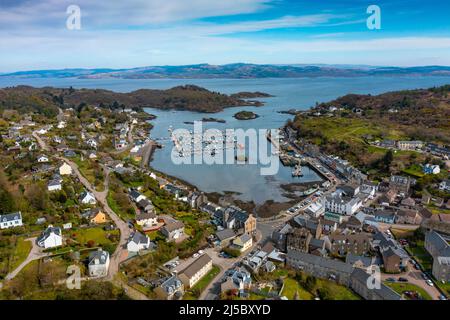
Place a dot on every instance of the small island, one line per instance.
(250, 95)
(245, 115)
(213, 120)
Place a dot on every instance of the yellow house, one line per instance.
(243, 242)
(96, 216)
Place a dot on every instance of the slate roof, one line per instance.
(225, 234)
(320, 261)
(384, 292)
(102, 256)
(195, 266)
(11, 216)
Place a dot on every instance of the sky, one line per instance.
(134, 33)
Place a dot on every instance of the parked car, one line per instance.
(401, 279)
(429, 282)
(442, 297)
(390, 280)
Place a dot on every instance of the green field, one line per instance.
(21, 252)
(292, 288)
(421, 255)
(400, 288)
(98, 235)
(337, 292)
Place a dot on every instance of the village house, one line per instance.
(357, 244)
(50, 238)
(409, 145)
(408, 216)
(445, 185)
(87, 197)
(439, 249)
(54, 185)
(225, 236)
(394, 256)
(171, 289)
(196, 270)
(42, 159)
(136, 196)
(431, 169)
(11, 220)
(173, 230)
(238, 280)
(146, 205)
(65, 169)
(400, 183)
(95, 216)
(147, 219)
(98, 264)
(138, 242)
(342, 202)
(243, 242)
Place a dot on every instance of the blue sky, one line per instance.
(120, 34)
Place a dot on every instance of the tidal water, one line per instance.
(245, 180)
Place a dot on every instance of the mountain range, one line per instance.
(234, 71)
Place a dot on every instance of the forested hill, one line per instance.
(47, 100)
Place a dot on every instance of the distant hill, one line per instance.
(234, 71)
(47, 100)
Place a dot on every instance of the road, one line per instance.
(35, 254)
(213, 288)
(121, 252)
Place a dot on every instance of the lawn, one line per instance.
(400, 288)
(87, 169)
(291, 288)
(202, 284)
(98, 235)
(20, 253)
(337, 292)
(415, 170)
(116, 208)
(421, 255)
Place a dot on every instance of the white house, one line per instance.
(50, 238)
(431, 169)
(65, 169)
(92, 143)
(147, 219)
(43, 158)
(342, 204)
(136, 196)
(138, 242)
(54, 185)
(87, 198)
(445, 185)
(61, 125)
(11, 220)
(98, 263)
(92, 155)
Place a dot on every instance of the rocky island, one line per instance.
(245, 115)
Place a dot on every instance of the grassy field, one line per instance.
(116, 208)
(421, 255)
(98, 235)
(415, 171)
(89, 172)
(21, 252)
(337, 292)
(400, 288)
(292, 287)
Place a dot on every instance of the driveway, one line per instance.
(35, 254)
(414, 277)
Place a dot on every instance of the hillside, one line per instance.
(234, 71)
(47, 100)
(349, 125)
